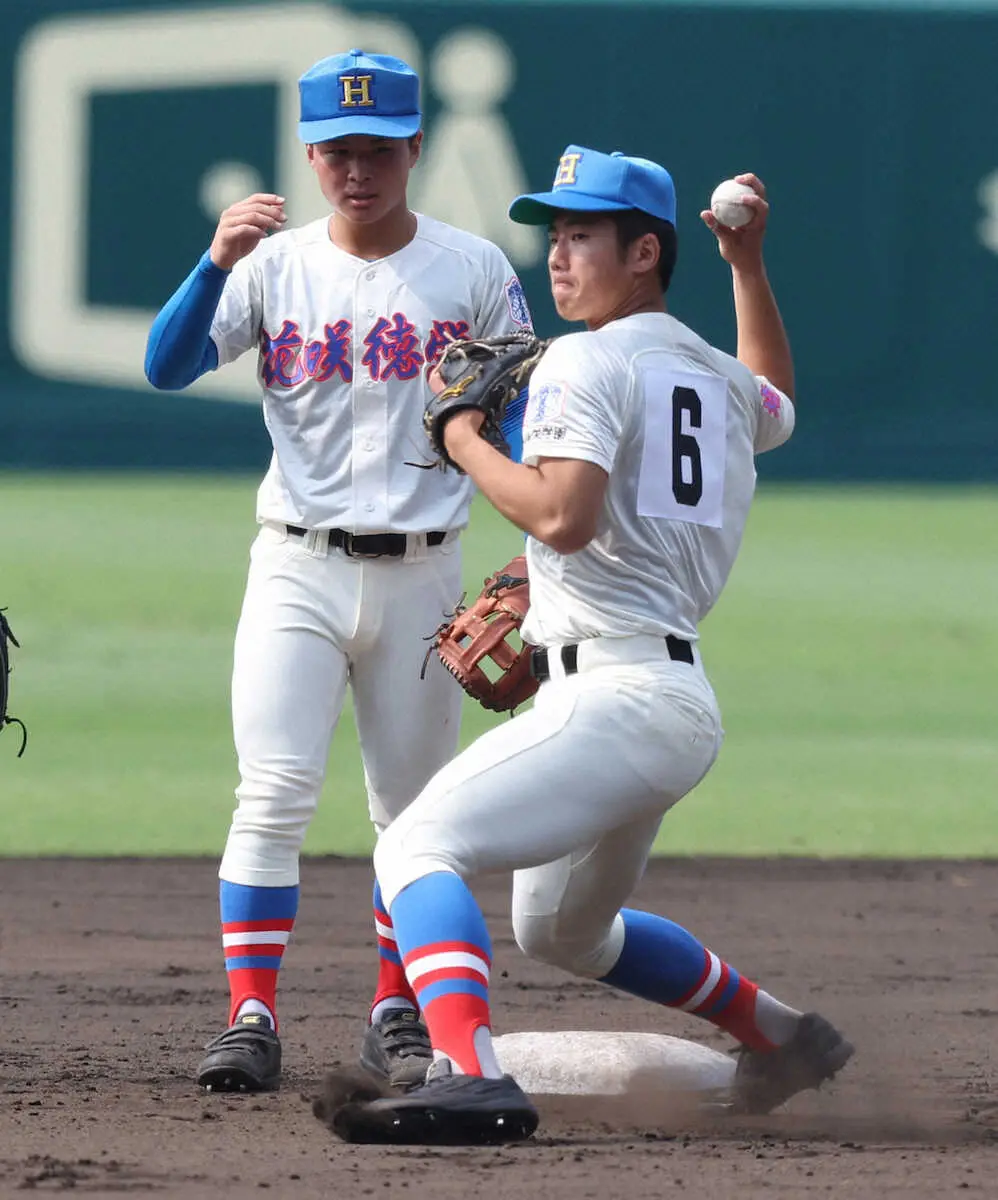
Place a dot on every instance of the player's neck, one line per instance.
(376, 239)
(629, 306)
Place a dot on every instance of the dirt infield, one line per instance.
(111, 982)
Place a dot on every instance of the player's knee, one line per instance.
(383, 808)
(274, 809)
(274, 780)
(387, 862)
(547, 939)
(409, 849)
(400, 858)
(536, 937)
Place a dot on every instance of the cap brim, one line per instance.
(313, 132)
(539, 208)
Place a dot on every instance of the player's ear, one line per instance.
(415, 148)
(645, 252)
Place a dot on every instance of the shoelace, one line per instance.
(404, 1035)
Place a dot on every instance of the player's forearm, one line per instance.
(523, 495)
(762, 340)
(179, 348)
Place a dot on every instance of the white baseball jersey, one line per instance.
(676, 424)
(344, 345)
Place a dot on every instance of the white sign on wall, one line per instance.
(987, 228)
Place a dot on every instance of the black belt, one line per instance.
(369, 545)
(679, 651)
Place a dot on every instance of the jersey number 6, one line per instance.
(687, 483)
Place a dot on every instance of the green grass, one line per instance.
(854, 653)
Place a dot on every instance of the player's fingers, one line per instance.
(262, 198)
(435, 380)
(256, 206)
(254, 212)
(760, 212)
(756, 203)
(709, 220)
(246, 231)
(258, 220)
(752, 181)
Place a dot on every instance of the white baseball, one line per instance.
(726, 203)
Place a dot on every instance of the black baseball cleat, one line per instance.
(447, 1110)
(765, 1079)
(245, 1058)
(397, 1048)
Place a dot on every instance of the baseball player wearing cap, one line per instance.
(638, 473)
(357, 556)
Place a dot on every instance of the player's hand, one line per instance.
(435, 380)
(463, 427)
(742, 248)
(243, 226)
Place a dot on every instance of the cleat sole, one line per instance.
(412, 1126)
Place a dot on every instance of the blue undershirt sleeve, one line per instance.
(179, 349)
(512, 425)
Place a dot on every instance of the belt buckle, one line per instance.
(350, 552)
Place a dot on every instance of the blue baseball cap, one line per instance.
(588, 181)
(358, 93)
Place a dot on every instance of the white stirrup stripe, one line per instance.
(385, 931)
(449, 958)
(259, 937)
(713, 975)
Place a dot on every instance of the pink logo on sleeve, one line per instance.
(772, 401)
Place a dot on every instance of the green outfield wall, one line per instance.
(125, 128)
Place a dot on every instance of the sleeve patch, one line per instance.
(546, 404)
(516, 301)
(772, 401)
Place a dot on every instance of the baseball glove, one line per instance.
(7, 635)
(481, 644)
(485, 374)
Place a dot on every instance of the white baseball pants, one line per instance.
(314, 620)
(569, 796)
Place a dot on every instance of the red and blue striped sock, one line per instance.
(392, 983)
(256, 927)
(665, 963)
(447, 953)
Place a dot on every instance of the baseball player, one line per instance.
(358, 552)
(637, 476)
